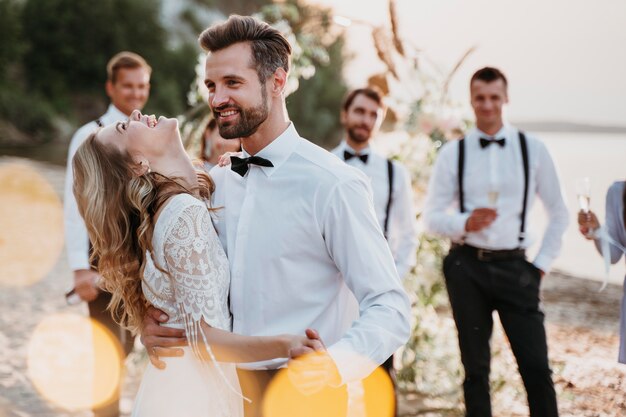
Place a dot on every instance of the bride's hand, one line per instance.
(300, 345)
(225, 158)
(310, 370)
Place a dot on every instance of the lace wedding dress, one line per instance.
(194, 289)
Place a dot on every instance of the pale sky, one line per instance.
(565, 59)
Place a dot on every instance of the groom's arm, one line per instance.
(160, 341)
(356, 243)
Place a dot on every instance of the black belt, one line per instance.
(487, 255)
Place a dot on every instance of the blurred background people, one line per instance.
(615, 229)
(212, 146)
(362, 114)
(479, 196)
(128, 88)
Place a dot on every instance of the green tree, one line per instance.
(23, 114)
(242, 7)
(10, 33)
(70, 42)
(315, 106)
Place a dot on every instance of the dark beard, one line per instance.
(249, 119)
(355, 137)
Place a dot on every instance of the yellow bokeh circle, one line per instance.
(74, 362)
(31, 226)
(371, 397)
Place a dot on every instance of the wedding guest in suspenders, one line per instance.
(480, 193)
(362, 113)
(128, 87)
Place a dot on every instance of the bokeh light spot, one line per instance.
(31, 226)
(371, 397)
(62, 362)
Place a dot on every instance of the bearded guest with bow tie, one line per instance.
(481, 191)
(362, 114)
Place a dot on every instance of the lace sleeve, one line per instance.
(199, 273)
(198, 269)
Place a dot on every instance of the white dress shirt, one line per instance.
(76, 237)
(498, 169)
(304, 248)
(402, 230)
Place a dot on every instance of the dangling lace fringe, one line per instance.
(194, 329)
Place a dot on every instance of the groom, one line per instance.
(297, 223)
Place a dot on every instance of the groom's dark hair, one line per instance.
(270, 49)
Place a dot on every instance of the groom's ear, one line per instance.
(278, 82)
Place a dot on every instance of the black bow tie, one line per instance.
(484, 142)
(240, 165)
(348, 155)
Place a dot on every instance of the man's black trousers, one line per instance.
(476, 288)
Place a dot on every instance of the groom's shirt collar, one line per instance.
(278, 150)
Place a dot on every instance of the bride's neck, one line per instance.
(180, 169)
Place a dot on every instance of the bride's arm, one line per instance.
(232, 347)
(199, 274)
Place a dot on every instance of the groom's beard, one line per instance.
(249, 119)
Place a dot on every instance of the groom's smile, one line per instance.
(237, 97)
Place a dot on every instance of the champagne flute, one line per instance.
(492, 200)
(492, 197)
(583, 192)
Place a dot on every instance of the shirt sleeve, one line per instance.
(403, 223)
(355, 242)
(614, 212)
(550, 192)
(76, 236)
(441, 214)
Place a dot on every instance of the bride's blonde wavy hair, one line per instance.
(119, 209)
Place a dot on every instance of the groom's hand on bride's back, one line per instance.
(310, 370)
(160, 341)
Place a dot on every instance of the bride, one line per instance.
(145, 207)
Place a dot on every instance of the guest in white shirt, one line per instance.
(212, 146)
(128, 87)
(362, 113)
(297, 224)
(480, 193)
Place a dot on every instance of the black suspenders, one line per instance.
(524, 149)
(522, 144)
(460, 173)
(390, 177)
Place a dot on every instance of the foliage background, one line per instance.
(53, 55)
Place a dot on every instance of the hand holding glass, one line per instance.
(583, 191)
